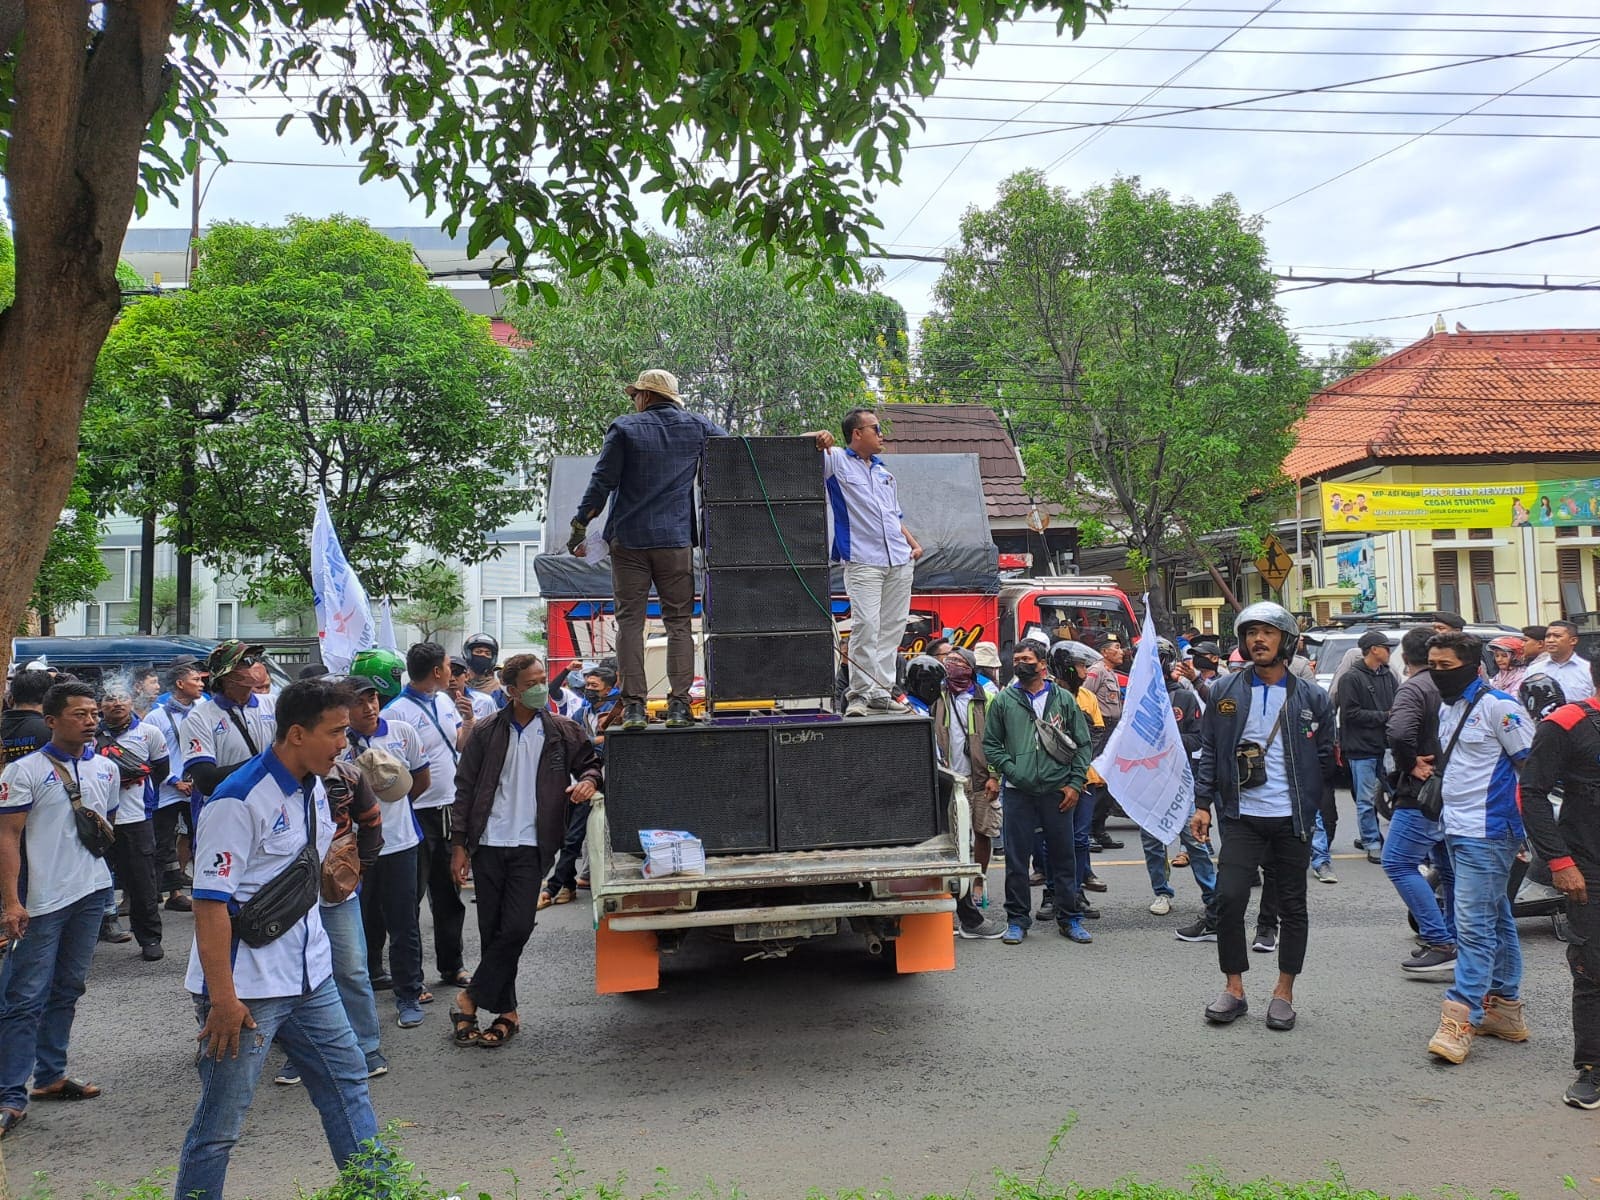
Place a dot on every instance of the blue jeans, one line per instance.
(316, 1033)
(349, 943)
(1023, 813)
(1414, 840)
(1488, 955)
(1364, 785)
(1200, 862)
(41, 981)
(1082, 823)
(1321, 850)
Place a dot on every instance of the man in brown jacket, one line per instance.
(519, 772)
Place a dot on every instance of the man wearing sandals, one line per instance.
(54, 930)
(520, 771)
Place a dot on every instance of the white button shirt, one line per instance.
(1571, 676)
(514, 815)
(210, 734)
(864, 505)
(144, 739)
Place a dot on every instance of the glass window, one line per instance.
(115, 562)
(503, 576)
(225, 611)
(491, 619)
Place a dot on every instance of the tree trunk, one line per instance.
(1156, 588)
(73, 170)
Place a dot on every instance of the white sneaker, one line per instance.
(1161, 906)
(887, 704)
(857, 708)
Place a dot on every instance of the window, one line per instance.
(1481, 564)
(1569, 575)
(1480, 535)
(116, 599)
(510, 591)
(1566, 531)
(1305, 578)
(1444, 535)
(1447, 575)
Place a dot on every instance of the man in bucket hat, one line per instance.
(646, 470)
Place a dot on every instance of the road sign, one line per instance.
(1274, 563)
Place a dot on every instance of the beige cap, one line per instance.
(385, 774)
(662, 383)
(988, 656)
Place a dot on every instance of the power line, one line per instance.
(1552, 237)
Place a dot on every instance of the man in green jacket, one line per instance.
(1037, 739)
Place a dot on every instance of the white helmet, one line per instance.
(1265, 612)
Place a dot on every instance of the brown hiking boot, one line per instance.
(1454, 1037)
(1503, 1019)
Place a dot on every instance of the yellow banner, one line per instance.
(1381, 507)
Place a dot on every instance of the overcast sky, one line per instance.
(1425, 195)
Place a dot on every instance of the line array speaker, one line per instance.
(768, 600)
(790, 469)
(742, 535)
(770, 666)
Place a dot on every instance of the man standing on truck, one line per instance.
(647, 470)
(871, 539)
(1038, 741)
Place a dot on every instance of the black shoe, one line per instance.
(152, 952)
(633, 715)
(178, 902)
(1266, 941)
(1198, 931)
(382, 983)
(1047, 912)
(679, 714)
(1107, 842)
(1584, 1091)
(1375, 857)
(1086, 910)
(1359, 844)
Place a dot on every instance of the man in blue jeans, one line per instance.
(1485, 735)
(1363, 697)
(1186, 711)
(1038, 791)
(54, 928)
(257, 823)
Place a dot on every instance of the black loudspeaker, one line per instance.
(770, 666)
(713, 781)
(768, 600)
(862, 782)
(783, 468)
(752, 535)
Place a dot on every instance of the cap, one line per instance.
(227, 656)
(988, 656)
(385, 773)
(186, 662)
(458, 664)
(1371, 638)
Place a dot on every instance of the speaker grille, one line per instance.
(770, 666)
(791, 469)
(741, 535)
(767, 600)
(713, 782)
(863, 782)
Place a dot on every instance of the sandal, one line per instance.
(545, 901)
(1181, 859)
(10, 1118)
(500, 1032)
(461, 978)
(424, 997)
(466, 1027)
(65, 1089)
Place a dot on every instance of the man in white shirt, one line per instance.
(443, 725)
(1560, 661)
(140, 753)
(264, 817)
(186, 687)
(54, 927)
(229, 727)
(871, 540)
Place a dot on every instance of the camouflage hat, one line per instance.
(229, 656)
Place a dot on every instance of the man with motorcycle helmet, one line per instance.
(482, 653)
(1566, 755)
(1266, 749)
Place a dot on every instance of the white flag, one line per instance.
(386, 639)
(1144, 764)
(344, 618)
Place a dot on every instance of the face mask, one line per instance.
(535, 697)
(481, 664)
(1454, 681)
(1026, 671)
(958, 676)
(593, 695)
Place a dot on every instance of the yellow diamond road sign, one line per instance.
(1274, 563)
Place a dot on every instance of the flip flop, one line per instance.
(66, 1089)
(10, 1118)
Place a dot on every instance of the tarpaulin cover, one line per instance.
(940, 494)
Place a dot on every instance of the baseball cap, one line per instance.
(385, 773)
(1371, 638)
(229, 655)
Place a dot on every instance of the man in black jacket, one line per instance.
(1413, 733)
(1363, 697)
(1566, 751)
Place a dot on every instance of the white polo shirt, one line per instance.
(249, 831)
(168, 718)
(1480, 778)
(514, 815)
(60, 870)
(864, 503)
(137, 800)
(1571, 676)
(484, 705)
(400, 830)
(211, 733)
(437, 723)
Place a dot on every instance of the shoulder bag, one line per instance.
(1049, 735)
(94, 831)
(285, 898)
(1430, 799)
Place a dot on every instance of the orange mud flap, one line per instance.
(626, 962)
(926, 943)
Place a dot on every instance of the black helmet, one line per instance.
(1070, 662)
(1541, 696)
(1167, 652)
(481, 639)
(924, 678)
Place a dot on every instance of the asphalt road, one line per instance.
(824, 1071)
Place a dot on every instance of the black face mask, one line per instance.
(1025, 671)
(593, 695)
(480, 664)
(1454, 682)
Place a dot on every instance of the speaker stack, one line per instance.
(767, 608)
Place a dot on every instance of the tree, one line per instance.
(1344, 361)
(532, 125)
(1135, 344)
(435, 600)
(72, 566)
(316, 356)
(751, 354)
(163, 606)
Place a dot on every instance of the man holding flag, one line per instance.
(344, 618)
(1266, 749)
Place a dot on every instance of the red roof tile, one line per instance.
(506, 334)
(1526, 393)
(966, 429)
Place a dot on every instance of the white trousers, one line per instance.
(880, 602)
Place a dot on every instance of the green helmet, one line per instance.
(381, 669)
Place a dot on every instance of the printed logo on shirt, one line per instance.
(195, 747)
(1227, 707)
(281, 825)
(223, 866)
(1510, 721)
(5, 792)
(222, 727)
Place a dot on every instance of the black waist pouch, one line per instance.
(278, 906)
